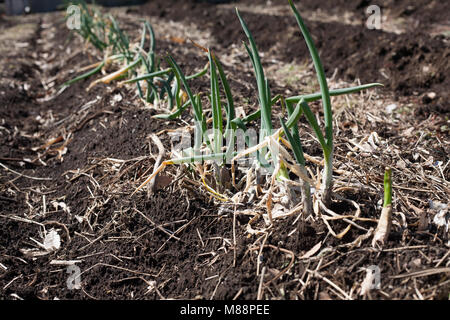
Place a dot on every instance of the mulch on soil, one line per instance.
(180, 243)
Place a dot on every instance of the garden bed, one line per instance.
(124, 244)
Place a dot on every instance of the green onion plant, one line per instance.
(290, 127)
(105, 34)
(264, 95)
(326, 141)
(385, 222)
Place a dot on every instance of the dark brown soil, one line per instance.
(125, 243)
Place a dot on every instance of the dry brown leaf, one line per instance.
(312, 251)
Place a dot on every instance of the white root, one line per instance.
(384, 226)
(161, 152)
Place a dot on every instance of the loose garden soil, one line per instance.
(180, 243)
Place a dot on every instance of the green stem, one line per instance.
(320, 76)
(85, 75)
(336, 92)
(264, 100)
(174, 114)
(387, 187)
(216, 106)
(308, 98)
(148, 75)
(198, 74)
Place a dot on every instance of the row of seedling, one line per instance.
(272, 148)
(135, 62)
(142, 67)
